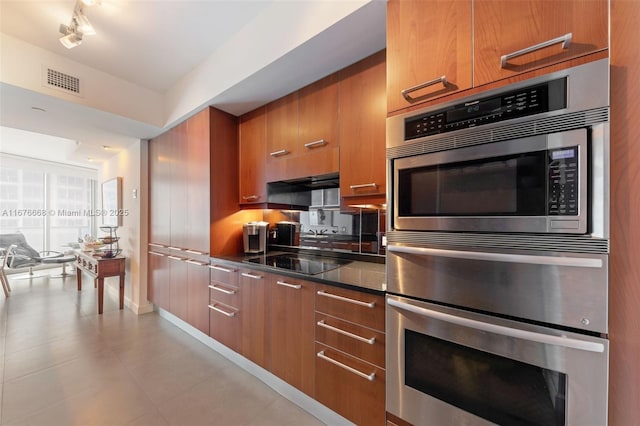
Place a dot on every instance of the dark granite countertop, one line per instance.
(358, 275)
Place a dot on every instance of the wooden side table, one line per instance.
(100, 268)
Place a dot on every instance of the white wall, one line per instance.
(130, 164)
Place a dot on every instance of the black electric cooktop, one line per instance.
(309, 265)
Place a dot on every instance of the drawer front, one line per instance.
(224, 293)
(350, 387)
(224, 274)
(353, 306)
(224, 325)
(364, 343)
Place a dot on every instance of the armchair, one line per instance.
(19, 254)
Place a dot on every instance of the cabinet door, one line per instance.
(197, 182)
(362, 128)
(224, 325)
(318, 115)
(179, 179)
(255, 317)
(159, 275)
(502, 27)
(198, 296)
(178, 288)
(160, 189)
(253, 127)
(292, 332)
(427, 40)
(282, 132)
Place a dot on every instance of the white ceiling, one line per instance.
(156, 44)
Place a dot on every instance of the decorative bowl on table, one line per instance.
(91, 245)
(107, 252)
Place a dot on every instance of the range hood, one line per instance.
(296, 193)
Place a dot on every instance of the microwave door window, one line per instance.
(505, 186)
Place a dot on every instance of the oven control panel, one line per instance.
(563, 182)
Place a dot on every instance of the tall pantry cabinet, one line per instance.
(191, 205)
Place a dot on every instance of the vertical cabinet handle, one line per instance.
(565, 40)
(285, 284)
(405, 93)
(346, 299)
(315, 144)
(369, 377)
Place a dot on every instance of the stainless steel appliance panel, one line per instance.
(566, 289)
(569, 383)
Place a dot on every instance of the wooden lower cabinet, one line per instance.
(158, 278)
(292, 332)
(178, 287)
(224, 307)
(349, 386)
(198, 296)
(256, 306)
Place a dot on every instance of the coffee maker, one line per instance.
(255, 237)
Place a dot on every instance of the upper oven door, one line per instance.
(536, 184)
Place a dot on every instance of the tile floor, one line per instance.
(62, 364)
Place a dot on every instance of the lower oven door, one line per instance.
(451, 367)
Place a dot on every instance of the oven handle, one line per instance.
(499, 329)
(579, 262)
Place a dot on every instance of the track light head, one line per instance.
(71, 36)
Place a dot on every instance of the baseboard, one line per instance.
(294, 395)
(134, 307)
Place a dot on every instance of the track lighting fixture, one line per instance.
(78, 27)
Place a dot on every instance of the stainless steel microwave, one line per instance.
(528, 158)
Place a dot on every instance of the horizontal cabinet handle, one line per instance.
(285, 284)
(195, 262)
(221, 290)
(221, 269)
(369, 377)
(346, 299)
(157, 245)
(316, 144)
(405, 93)
(156, 254)
(223, 312)
(196, 252)
(175, 257)
(248, 275)
(174, 248)
(250, 197)
(323, 324)
(279, 153)
(565, 40)
(364, 185)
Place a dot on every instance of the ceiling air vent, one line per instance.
(62, 81)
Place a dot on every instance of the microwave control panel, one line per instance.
(549, 96)
(563, 182)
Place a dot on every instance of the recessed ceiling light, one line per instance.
(89, 159)
(38, 109)
(106, 147)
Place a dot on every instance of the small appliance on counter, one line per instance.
(288, 233)
(255, 237)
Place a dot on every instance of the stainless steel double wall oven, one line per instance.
(497, 265)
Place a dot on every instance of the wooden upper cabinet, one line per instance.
(362, 129)
(318, 115)
(197, 177)
(252, 152)
(160, 189)
(502, 27)
(427, 40)
(178, 185)
(282, 127)
(535, 31)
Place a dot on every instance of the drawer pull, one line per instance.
(174, 248)
(346, 299)
(314, 144)
(175, 257)
(156, 254)
(279, 153)
(364, 185)
(565, 40)
(220, 268)
(195, 252)
(222, 290)
(370, 341)
(369, 377)
(223, 312)
(248, 275)
(157, 245)
(284, 284)
(406, 92)
(195, 262)
(250, 197)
